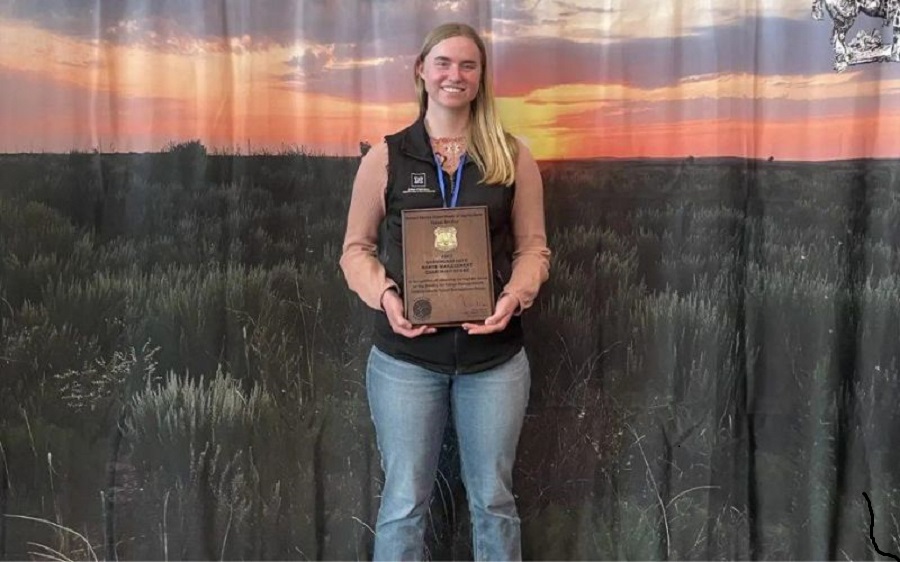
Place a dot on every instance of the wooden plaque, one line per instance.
(447, 277)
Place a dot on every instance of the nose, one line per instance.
(453, 73)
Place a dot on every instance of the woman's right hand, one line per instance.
(393, 308)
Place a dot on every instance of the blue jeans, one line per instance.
(410, 406)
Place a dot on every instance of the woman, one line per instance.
(475, 374)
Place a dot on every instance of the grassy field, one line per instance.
(715, 362)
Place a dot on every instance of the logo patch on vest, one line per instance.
(417, 183)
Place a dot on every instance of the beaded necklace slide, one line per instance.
(449, 150)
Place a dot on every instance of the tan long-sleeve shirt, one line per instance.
(366, 275)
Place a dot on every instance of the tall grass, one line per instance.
(714, 359)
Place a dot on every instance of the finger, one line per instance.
(398, 321)
(401, 327)
(480, 329)
(499, 319)
(494, 318)
(506, 307)
(491, 320)
(416, 332)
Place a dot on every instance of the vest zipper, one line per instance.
(456, 350)
(450, 191)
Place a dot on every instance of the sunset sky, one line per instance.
(574, 78)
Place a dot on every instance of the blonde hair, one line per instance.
(489, 144)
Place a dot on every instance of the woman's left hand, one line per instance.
(496, 322)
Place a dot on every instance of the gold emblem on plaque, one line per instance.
(445, 238)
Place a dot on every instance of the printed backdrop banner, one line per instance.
(716, 362)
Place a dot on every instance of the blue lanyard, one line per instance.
(440, 174)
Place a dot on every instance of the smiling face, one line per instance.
(451, 73)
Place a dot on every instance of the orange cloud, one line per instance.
(85, 94)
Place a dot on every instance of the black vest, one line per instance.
(413, 184)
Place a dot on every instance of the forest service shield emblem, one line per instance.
(445, 238)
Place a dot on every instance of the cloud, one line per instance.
(362, 49)
(566, 67)
(49, 115)
(605, 21)
(761, 47)
(311, 62)
(158, 23)
(534, 43)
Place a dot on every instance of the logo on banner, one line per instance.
(867, 46)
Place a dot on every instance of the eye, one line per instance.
(441, 63)
(469, 66)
